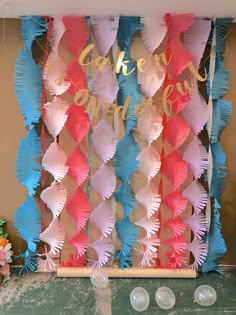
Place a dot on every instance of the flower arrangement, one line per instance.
(5, 255)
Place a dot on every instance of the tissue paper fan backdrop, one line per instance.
(159, 146)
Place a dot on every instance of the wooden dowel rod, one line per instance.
(85, 272)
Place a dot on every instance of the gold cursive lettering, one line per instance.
(120, 63)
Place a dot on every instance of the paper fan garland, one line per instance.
(199, 250)
(55, 198)
(196, 195)
(150, 36)
(198, 224)
(151, 225)
(149, 162)
(80, 242)
(103, 248)
(104, 181)
(178, 244)
(177, 131)
(103, 217)
(54, 162)
(176, 225)
(176, 202)
(104, 140)
(149, 199)
(105, 30)
(78, 207)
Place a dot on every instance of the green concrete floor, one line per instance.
(41, 294)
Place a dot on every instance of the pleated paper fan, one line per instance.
(149, 199)
(151, 225)
(105, 30)
(55, 115)
(57, 32)
(80, 242)
(199, 250)
(150, 123)
(177, 243)
(125, 196)
(198, 224)
(47, 264)
(175, 202)
(196, 195)
(78, 122)
(76, 34)
(76, 76)
(175, 169)
(78, 207)
(78, 166)
(54, 235)
(177, 226)
(54, 161)
(153, 32)
(177, 131)
(104, 140)
(105, 85)
(152, 78)
(196, 111)
(104, 181)
(197, 157)
(149, 162)
(103, 217)
(54, 74)
(103, 248)
(55, 198)
(148, 260)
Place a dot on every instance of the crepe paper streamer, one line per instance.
(104, 140)
(104, 181)
(197, 157)
(105, 30)
(103, 248)
(198, 248)
(198, 224)
(196, 195)
(125, 196)
(27, 223)
(74, 261)
(151, 225)
(176, 202)
(150, 124)
(177, 131)
(176, 25)
(175, 260)
(32, 27)
(149, 199)
(78, 207)
(77, 122)
(103, 218)
(175, 169)
(54, 235)
(152, 78)
(177, 243)
(77, 33)
(126, 160)
(78, 165)
(222, 111)
(216, 243)
(219, 173)
(176, 225)
(150, 36)
(127, 27)
(55, 198)
(127, 233)
(55, 115)
(149, 162)
(28, 171)
(76, 76)
(54, 162)
(80, 242)
(195, 113)
(54, 70)
(28, 86)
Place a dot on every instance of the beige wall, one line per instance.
(12, 130)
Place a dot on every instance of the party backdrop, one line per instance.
(122, 160)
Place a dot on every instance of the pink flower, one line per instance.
(2, 257)
(5, 270)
